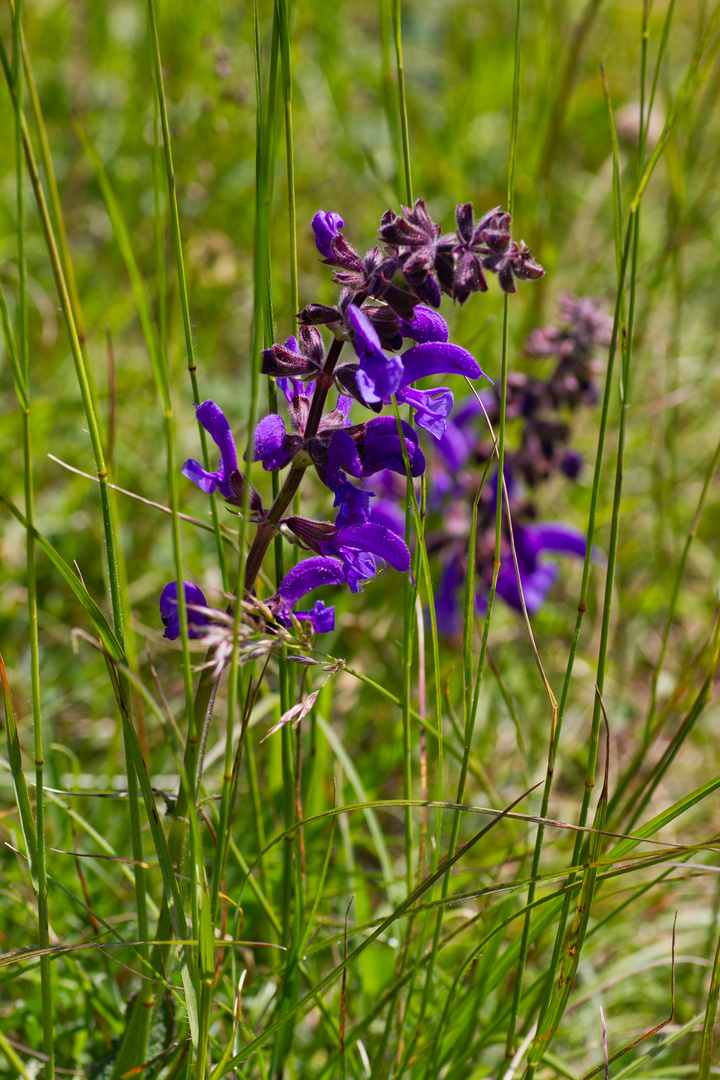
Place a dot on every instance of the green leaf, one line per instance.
(21, 792)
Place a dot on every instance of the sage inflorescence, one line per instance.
(388, 301)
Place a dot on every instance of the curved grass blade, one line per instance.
(21, 792)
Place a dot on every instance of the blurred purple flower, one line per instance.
(537, 575)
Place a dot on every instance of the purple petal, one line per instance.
(170, 613)
(354, 505)
(447, 607)
(270, 443)
(213, 420)
(381, 449)
(378, 376)
(326, 225)
(438, 358)
(374, 540)
(342, 455)
(556, 536)
(344, 405)
(431, 407)
(309, 575)
(206, 481)
(320, 617)
(425, 325)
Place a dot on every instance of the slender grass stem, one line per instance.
(402, 98)
(180, 267)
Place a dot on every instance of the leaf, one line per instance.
(576, 936)
(21, 792)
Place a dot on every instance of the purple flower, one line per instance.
(320, 617)
(432, 407)
(434, 358)
(359, 546)
(170, 612)
(354, 504)
(326, 225)
(378, 376)
(213, 420)
(303, 578)
(537, 575)
(293, 388)
(447, 609)
(379, 447)
(273, 446)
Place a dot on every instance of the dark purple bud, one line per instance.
(326, 225)
(311, 344)
(572, 463)
(425, 288)
(318, 315)
(524, 266)
(282, 361)
(309, 532)
(237, 484)
(464, 218)
(505, 277)
(469, 277)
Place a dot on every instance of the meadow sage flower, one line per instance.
(170, 612)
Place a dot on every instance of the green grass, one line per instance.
(302, 909)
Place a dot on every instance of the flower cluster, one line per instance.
(386, 311)
(539, 414)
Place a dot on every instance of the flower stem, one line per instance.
(267, 530)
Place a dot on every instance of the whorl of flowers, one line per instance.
(540, 413)
(388, 298)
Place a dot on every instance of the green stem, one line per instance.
(405, 134)
(180, 266)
